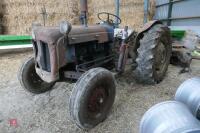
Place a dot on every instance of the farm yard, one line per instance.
(49, 112)
(99, 66)
(17, 16)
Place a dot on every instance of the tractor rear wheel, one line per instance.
(29, 79)
(92, 98)
(153, 55)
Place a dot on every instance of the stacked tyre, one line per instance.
(189, 94)
(180, 116)
(169, 117)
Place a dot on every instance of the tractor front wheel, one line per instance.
(92, 98)
(29, 79)
(153, 55)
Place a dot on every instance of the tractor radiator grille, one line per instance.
(45, 57)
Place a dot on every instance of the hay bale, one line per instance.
(131, 11)
(20, 14)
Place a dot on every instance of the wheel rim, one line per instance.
(97, 101)
(161, 58)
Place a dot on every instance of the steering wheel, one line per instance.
(109, 21)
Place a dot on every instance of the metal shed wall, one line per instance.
(178, 12)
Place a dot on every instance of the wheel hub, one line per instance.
(97, 100)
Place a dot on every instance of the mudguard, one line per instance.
(145, 28)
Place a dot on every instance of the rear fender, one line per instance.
(146, 27)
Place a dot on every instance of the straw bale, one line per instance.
(131, 11)
(20, 14)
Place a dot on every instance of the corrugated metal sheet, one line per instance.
(186, 8)
(162, 12)
(183, 13)
(160, 2)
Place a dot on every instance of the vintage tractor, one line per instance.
(87, 55)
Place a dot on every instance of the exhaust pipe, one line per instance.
(117, 6)
(84, 12)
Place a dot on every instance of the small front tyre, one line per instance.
(29, 79)
(92, 98)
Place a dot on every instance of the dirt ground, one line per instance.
(49, 112)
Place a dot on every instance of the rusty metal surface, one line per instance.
(132, 39)
(45, 75)
(81, 34)
(146, 27)
(78, 34)
(84, 12)
(83, 5)
(47, 34)
(61, 50)
(123, 57)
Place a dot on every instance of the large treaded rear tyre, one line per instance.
(92, 98)
(29, 79)
(153, 55)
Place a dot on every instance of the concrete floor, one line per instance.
(49, 113)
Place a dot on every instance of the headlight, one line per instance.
(65, 27)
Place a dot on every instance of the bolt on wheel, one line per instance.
(92, 98)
